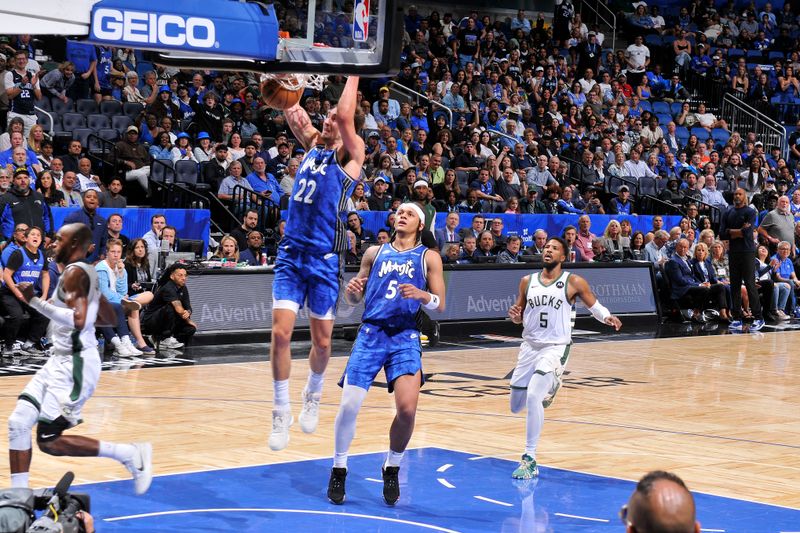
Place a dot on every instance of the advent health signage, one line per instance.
(242, 299)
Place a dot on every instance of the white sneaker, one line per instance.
(309, 416)
(131, 349)
(282, 420)
(142, 467)
(171, 343)
(119, 348)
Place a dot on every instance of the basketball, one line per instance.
(277, 96)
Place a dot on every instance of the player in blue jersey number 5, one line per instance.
(395, 280)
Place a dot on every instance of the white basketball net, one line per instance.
(296, 82)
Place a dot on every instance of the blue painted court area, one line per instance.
(442, 490)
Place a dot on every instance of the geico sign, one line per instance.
(152, 28)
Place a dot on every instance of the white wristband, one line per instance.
(599, 312)
(60, 315)
(433, 303)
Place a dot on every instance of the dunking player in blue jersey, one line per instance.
(395, 276)
(307, 271)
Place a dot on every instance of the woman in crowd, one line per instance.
(616, 245)
(182, 151)
(162, 150)
(442, 146)
(357, 201)
(384, 169)
(450, 183)
(47, 187)
(131, 91)
(35, 139)
(703, 271)
(512, 206)
(25, 264)
(235, 149)
(57, 82)
(113, 280)
(774, 296)
(137, 267)
(484, 147)
(228, 249)
(637, 246)
(204, 151)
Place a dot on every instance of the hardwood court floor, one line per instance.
(720, 411)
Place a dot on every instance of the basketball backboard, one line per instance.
(284, 36)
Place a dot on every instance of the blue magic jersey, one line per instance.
(318, 196)
(384, 306)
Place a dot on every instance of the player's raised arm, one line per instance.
(345, 120)
(599, 312)
(515, 311)
(354, 292)
(300, 124)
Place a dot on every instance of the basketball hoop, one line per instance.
(296, 82)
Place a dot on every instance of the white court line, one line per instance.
(373, 479)
(485, 499)
(446, 483)
(444, 468)
(295, 511)
(465, 345)
(582, 517)
(713, 530)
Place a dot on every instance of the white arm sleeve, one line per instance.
(59, 315)
(599, 312)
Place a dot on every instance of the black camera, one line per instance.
(18, 509)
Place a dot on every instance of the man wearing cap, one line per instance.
(701, 62)
(380, 200)
(621, 205)
(217, 167)
(23, 205)
(134, 158)
(419, 120)
(393, 110)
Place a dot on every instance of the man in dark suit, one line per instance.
(478, 225)
(684, 286)
(448, 233)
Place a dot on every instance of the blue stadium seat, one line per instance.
(661, 108)
(44, 103)
(97, 121)
(132, 109)
(720, 135)
(676, 108)
(120, 123)
(72, 121)
(86, 106)
(82, 135)
(110, 107)
(664, 118)
(646, 105)
(162, 171)
(701, 133)
(62, 107)
(774, 55)
(756, 55)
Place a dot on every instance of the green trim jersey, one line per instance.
(68, 340)
(547, 318)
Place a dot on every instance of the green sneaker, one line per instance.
(527, 468)
(549, 400)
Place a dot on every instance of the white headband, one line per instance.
(417, 209)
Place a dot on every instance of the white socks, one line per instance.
(124, 453)
(393, 458)
(314, 384)
(19, 481)
(281, 389)
(538, 389)
(344, 427)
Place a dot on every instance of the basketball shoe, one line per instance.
(527, 468)
(282, 420)
(336, 485)
(548, 401)
(391, 484)
(141, 467)
(309, 416)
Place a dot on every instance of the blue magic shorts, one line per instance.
(398, 352)
(307, 279)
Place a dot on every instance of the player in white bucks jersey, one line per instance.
(544, 308)
(309, 263)
(394, 281)
(53, 399)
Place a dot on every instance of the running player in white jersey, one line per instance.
(53, 399)
(544, 308)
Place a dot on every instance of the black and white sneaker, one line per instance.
(391, 484)
(336, 485)
(433, 338)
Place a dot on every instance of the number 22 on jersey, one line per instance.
(305, 191)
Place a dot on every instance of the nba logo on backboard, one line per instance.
(360, 20)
